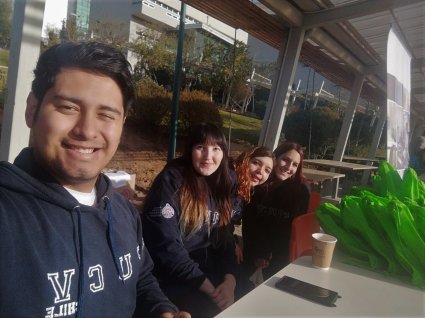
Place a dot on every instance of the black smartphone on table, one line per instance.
(308, 291)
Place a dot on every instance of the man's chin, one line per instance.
(78, 178)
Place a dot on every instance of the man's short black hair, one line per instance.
(93, 57)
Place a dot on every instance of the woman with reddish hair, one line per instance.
(268, 218)
(253, 167)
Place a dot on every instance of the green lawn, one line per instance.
(4, 57)
(4, 61)
(244, 130)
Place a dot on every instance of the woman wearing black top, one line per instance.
(187, 225)
(268, 218)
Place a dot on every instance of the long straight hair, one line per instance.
(196, 189)
(241, 165)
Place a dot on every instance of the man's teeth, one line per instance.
(84, 150)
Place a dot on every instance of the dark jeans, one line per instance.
(193, 301)
(197, 303)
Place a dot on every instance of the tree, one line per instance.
(155, 54)
(315, 129)
(211, 67)
(5, 23)
(70, 30)
(223, 67)
(208, 64)
(237, 69)
(110, 33)
(52, 35)
(104, 32)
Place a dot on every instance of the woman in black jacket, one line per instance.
(268, 218)
(187, 225)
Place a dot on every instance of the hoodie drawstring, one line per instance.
(111, 240)
(81, 265)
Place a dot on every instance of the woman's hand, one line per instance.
(261, 263)
(207, 287)
(224, 294)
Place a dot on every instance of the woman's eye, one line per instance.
(217, 149)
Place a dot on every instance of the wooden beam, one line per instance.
(351, 11)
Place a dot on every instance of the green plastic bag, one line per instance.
(330, 220)
(383, 226)
(354, 220)
(418, 214)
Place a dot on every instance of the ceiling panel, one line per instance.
(364, 37)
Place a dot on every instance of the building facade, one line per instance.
(80, 11)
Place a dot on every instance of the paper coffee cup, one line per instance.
(323, 248)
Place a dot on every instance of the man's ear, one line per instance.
(31, 110)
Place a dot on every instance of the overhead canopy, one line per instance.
(343, 38)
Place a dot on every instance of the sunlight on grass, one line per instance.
(4, 60)
(244, 130)
(4, 57)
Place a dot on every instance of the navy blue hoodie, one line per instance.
(59, 256)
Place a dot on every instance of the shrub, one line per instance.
(152, 106)
(196, 107)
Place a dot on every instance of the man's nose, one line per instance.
(85, 127)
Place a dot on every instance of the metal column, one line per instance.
(24, 50)
(382, 118)
(176, 86)
(281, 90)
(348, 117)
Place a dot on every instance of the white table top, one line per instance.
(320, 175)
(338, 164)
(364, 294)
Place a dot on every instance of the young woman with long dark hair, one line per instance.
(187, 224)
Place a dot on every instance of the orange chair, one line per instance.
(313, 202)
(301, 242)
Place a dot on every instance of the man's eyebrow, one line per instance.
(78, 101)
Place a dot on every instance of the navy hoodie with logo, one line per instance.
(63, 259)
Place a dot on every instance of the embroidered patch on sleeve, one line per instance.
(167, 211)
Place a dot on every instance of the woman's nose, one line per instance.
(207, 153)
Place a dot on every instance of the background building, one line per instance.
(80, 10)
